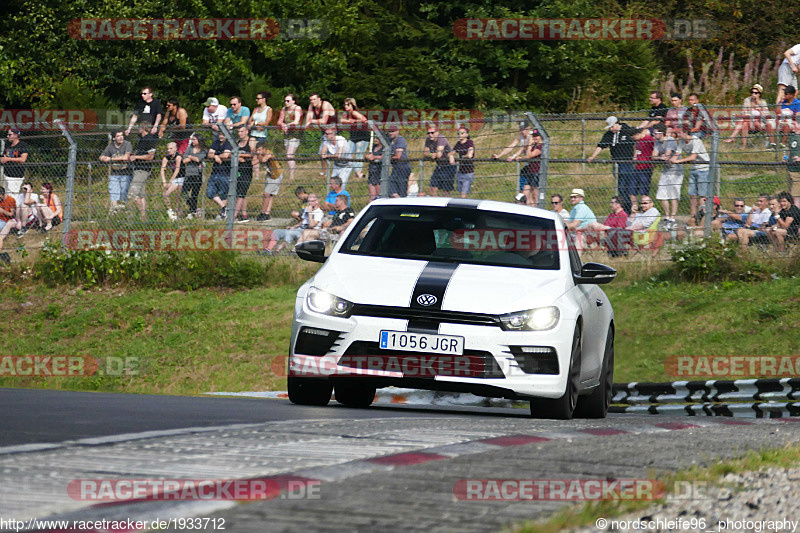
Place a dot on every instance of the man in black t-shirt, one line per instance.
(143, 154)
(147, 110)
(657, 111)
(787, 224)
(619, 138)
(13, 160)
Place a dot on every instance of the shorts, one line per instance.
(786, 76)
(464, 182)
(669, 186)
(3, 223)
(699, 183)
(273, 187)
(118, 185)
(14, 184)
(442, 177)
(640, 184)
(526, 177)
(138, 183)
(288, 235)
(398, 181)
(217, 186)
(374, 177)
(243, 182)
(178, 181)
(290, 142)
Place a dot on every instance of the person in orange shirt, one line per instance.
(50, 210)
(8, 206)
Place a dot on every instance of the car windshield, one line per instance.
(456, 234)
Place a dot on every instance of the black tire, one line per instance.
(309, 391)
(353, 394)
(595, 405)
(563, 408)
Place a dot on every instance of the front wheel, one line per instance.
(562, 408)
(309, 391)
(596, 404)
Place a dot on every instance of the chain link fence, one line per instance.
(99, 188)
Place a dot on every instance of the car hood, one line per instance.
(470, 288)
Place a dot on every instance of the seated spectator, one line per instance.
(342, 218)
(336, 190)
(756, 222)
(754, 118)
(788, 221)
(49, 207)
(557, 202)
(26, 215)
(616, 220)
(643, 222)
(732, 221)
(8, 208)
(699, 219)
(581, 215)
(334, 148)
(302, 195)
(311, 218)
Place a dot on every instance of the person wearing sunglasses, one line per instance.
(754, 118)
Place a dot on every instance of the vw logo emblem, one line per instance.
(426, 299)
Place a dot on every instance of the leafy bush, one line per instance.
(184, 270)
(712, 260)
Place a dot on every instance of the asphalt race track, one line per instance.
(376, 469)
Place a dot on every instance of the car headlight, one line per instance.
(326, 303)
(540, 319)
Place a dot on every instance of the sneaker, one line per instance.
(171, 214)
(262, 217)
(190, 216)
(241, 219)
(5, 258)
(222, 213)
(21, 232)
(772, 146)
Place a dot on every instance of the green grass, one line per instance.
(225, 340)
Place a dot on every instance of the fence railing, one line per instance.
(763, 159)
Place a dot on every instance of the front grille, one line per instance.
(315, 341)
(370, 356)
(536, 359)
(428, 315)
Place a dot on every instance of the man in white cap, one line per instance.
(214, 113)
(581, 215)
(619, 138)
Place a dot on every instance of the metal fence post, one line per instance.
(69, 194)
(386, 160)
(544, 165)
(233, 179)
(713, 172)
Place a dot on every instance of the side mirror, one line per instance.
(311, 251)
(595, 273)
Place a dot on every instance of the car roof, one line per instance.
(485, 205)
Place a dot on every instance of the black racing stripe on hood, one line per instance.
(431, 287)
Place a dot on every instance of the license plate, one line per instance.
(421, 342)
